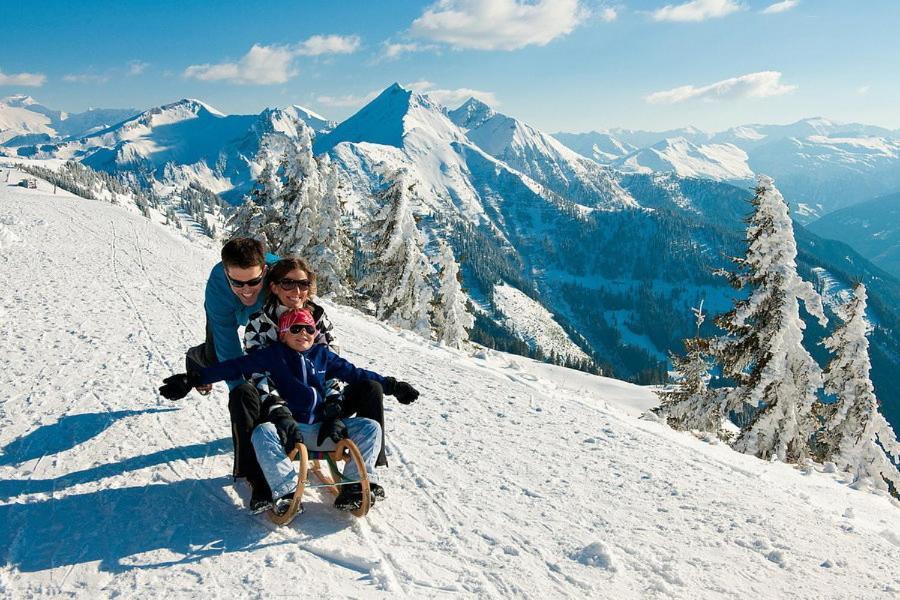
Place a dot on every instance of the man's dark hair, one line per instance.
(243, 253)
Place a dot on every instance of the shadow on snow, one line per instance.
(188, 520)
(65, 434)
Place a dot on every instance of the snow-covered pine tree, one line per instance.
(762, 349)
(450, 318)
(691, 404)
(856, 437)
(250, 218)
(300, 198)
(399, 274)
(331, 252)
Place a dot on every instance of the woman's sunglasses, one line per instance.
(296, 329)
(294, 284)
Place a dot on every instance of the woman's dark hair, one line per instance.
(243, 253)
(284, 266)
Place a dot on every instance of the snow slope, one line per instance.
(508, 479)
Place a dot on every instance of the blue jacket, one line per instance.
(225, 313)
(299, 376)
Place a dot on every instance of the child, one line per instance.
(299, 369)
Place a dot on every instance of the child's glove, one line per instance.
(286, 427)
(333, 429)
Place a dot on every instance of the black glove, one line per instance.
(333, 429)
(286, 427)
(333, 409)
(177, 386)
(402, 391)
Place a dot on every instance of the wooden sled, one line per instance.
(345, 451)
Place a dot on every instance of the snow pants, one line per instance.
(279, 471)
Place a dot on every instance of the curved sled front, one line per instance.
(345, 451)
(298, 453)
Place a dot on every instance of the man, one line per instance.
(234, 291)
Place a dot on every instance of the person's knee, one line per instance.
(368, 428)
(263, 434)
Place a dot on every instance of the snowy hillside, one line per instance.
(534, 324)
(508, 479)
(24, 121)
(721, 162)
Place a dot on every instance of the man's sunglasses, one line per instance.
(296, 329)
(237, 283)
(294, 284)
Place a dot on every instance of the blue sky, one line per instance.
(561, 65)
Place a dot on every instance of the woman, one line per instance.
(292, 284)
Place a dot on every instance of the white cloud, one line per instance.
(267, 65)
(348, 100)
(780, 7)
(85, 78)
(753, 85)
(863, 90)
(137, 67)
(452, 98)
(696, 10)
(608, 14)
(328, 44)
(262, 65)
(23, 79)
(395, 50)
(498, 24)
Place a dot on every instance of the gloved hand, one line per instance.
(333, 429)
(177, 386)
(287, 429)
(333, 409)
(402, 391)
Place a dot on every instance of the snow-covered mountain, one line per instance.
(107, 490)
(541, 157)
(872, 228)
(187, 142)
(24, 121)
(820, 165)
(720, 162)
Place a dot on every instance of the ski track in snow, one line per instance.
(508, 479)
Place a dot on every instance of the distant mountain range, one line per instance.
(872, 228)
(617, 258)
(820, 165)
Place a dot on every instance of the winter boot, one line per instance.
(259, 504)
(284, 503)
(350, 497)
(377, 491)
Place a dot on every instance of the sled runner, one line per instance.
(345, 451)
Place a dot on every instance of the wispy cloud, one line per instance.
(608, 14)
(452, 98)
(753, 85)
(395, 50)
(863, 90)
(349, 100)
(696, 10)
(328, 44)
(498, 24)
(268, 65)
(780, 7)
(23, 79)
(85, 78)
(137, 67)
